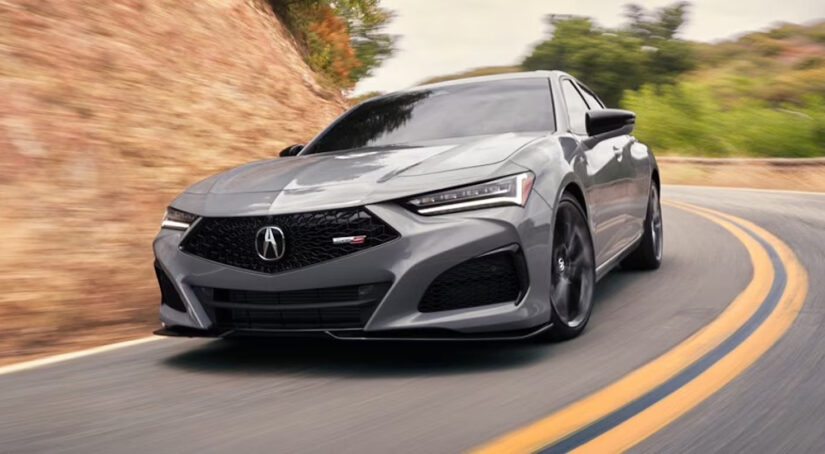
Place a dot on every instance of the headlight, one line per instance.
(177, 219)
(512, 190)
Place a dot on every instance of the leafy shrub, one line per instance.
(342, 39)
(330, 49)
(689, 119)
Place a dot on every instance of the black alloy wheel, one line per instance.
(648, 254)
(572, 273)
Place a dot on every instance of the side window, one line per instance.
(576, 107)
(594, 103)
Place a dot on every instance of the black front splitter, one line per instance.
(352, 334)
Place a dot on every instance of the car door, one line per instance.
(607, 172)
(632, 188)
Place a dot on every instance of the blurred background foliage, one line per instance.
(343, 39)
(759, 95)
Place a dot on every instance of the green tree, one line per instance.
(667, 56)
(663, 23)
(610, 61)
(366, 20)
(607, 61)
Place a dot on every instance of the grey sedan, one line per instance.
(482, 208)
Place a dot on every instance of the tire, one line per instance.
(648, 254)
(572, 272)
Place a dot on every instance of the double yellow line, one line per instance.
(602, 408)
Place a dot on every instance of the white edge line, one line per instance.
(737, 188)
(17, 367)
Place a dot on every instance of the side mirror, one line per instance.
(291, 150)
(609, 120)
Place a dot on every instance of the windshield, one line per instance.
(464, 110)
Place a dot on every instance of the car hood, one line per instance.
(324, 181)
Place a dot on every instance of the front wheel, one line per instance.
(572, 272)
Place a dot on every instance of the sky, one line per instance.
(438, 37)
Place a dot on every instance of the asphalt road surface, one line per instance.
(181, 395)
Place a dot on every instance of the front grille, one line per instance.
(495, 278)
(325, 308)
(308, 238)
(168, 295)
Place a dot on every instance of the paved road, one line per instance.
(208, 396)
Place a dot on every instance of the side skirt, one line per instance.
(606, 267)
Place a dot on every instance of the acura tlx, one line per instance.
(482, 208)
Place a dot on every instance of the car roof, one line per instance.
(490, 78)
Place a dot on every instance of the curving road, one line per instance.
(754, 392)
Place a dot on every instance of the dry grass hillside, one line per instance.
(107, 109)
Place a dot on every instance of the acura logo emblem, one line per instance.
(270, 243)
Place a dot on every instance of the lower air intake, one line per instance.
(168, 294)
(489, 279)
(315, 309)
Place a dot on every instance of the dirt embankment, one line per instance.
(107, 109)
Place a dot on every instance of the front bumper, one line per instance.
(427, 247)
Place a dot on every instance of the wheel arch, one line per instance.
(571, 185)
(654, 176)
(654, 170)
(576, 191)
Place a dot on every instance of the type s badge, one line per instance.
(358, 239)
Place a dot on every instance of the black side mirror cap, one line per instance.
(604, 121)
(291, 150)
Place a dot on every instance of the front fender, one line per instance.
(553, 166)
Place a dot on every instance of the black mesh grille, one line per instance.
(308, 238)
(262, 320)
(299, 297)
(168, 295)
(326, 308)
(490, 279)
